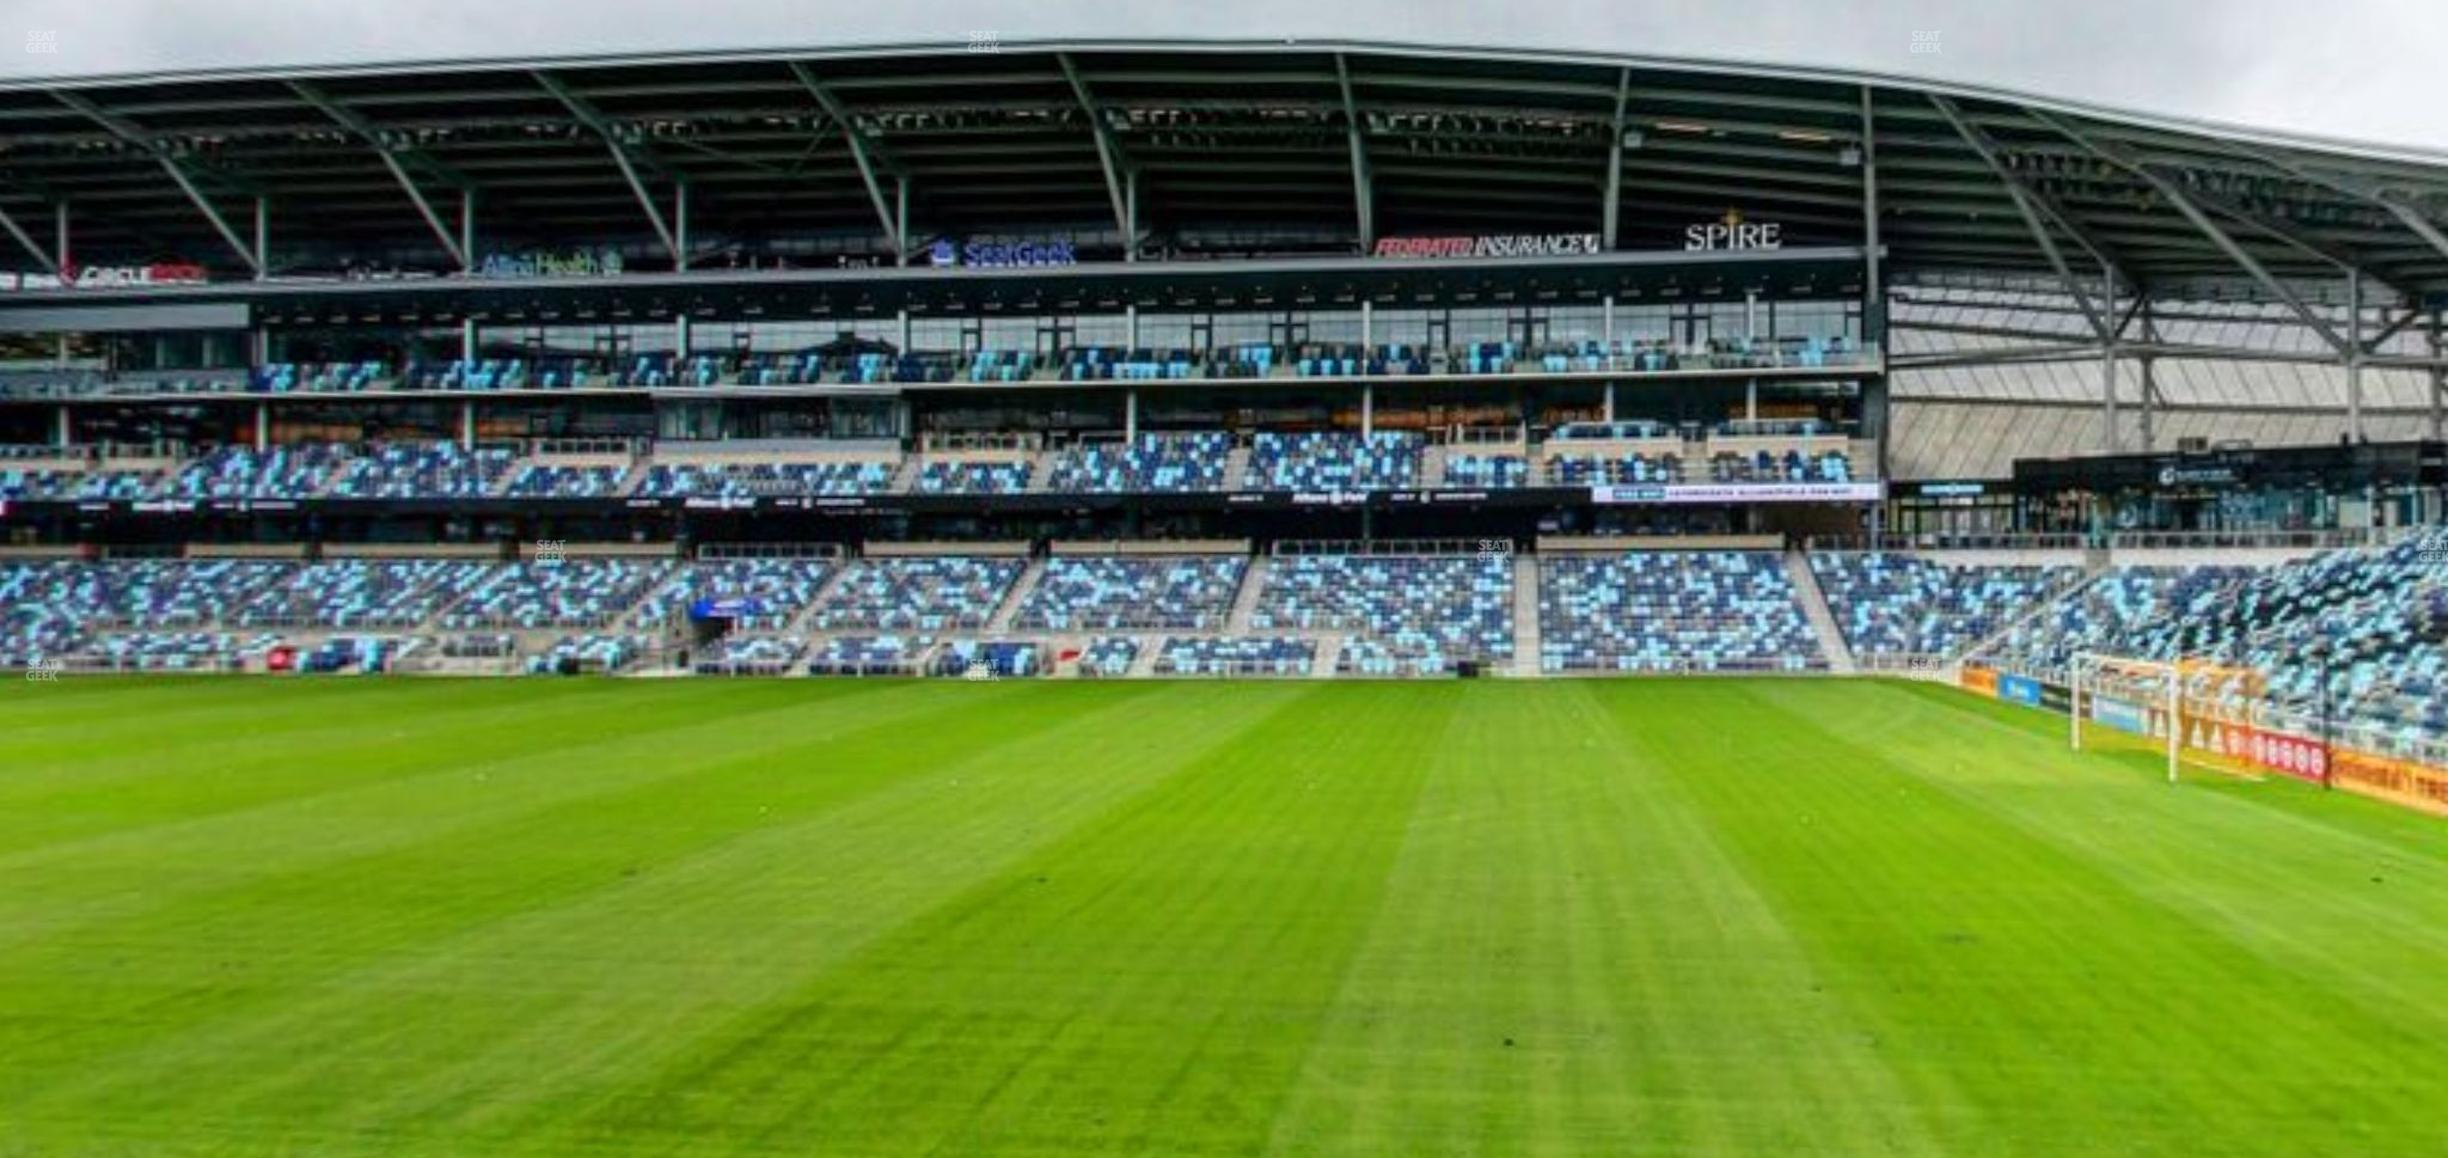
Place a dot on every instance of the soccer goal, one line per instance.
(2199, 713)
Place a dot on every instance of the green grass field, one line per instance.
(706, 918)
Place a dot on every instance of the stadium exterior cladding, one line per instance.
(1270, 175)
(1330, 144)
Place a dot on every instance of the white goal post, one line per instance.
(2085, 677)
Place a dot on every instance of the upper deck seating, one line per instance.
(1148, 464)
(1333, 461)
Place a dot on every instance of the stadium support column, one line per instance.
(1130, 325)
(1368, 326)
(467, 231)
(467, 426)
(684, 339)
(1606, 338)
(1368, 409)
(2113, 439)
(263, 238)
(903, 326)
(59, 227)
(680, 226)
(467, 339)
(1874, 318)
(1130, 415)
(2354, 355)
(2439, 379)
(263, 427)
(901, 234)
(66, 432)
(2150, 381)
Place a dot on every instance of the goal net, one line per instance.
(2196, 713)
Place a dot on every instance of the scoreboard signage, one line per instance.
(1491, 245)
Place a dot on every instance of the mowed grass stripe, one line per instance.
(767, 914)
(457, 1034)
(151, 864)
(158, 973)
(1146, 985)
(2316, 892)
(2035, 1001)
(1567, 964)
(1714, 917)
(277, 752)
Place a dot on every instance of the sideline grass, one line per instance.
(1649, 917)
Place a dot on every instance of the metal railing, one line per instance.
(1381, 547)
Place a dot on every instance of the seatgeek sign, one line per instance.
(1003, 255)
(1491, 245)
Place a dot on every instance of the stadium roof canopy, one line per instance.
(1327, 144)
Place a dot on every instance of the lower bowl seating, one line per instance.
(1670, 611)
(1185, 593)
(760, 595)
(1896, 604)
(975, 659)
(932, 594)
(574, 593)
(1236, 656)
(1419, 614)
(868, 655)
(1108, 657)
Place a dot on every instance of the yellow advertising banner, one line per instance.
(2386, 778)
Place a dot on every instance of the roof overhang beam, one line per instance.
(1109, 151)
(868, 160)
(1364, 193)
(390, 155)
(2183, 203)
(2038, 212)
(128, 131)
(624, 154)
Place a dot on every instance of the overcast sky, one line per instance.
(2373, 70)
